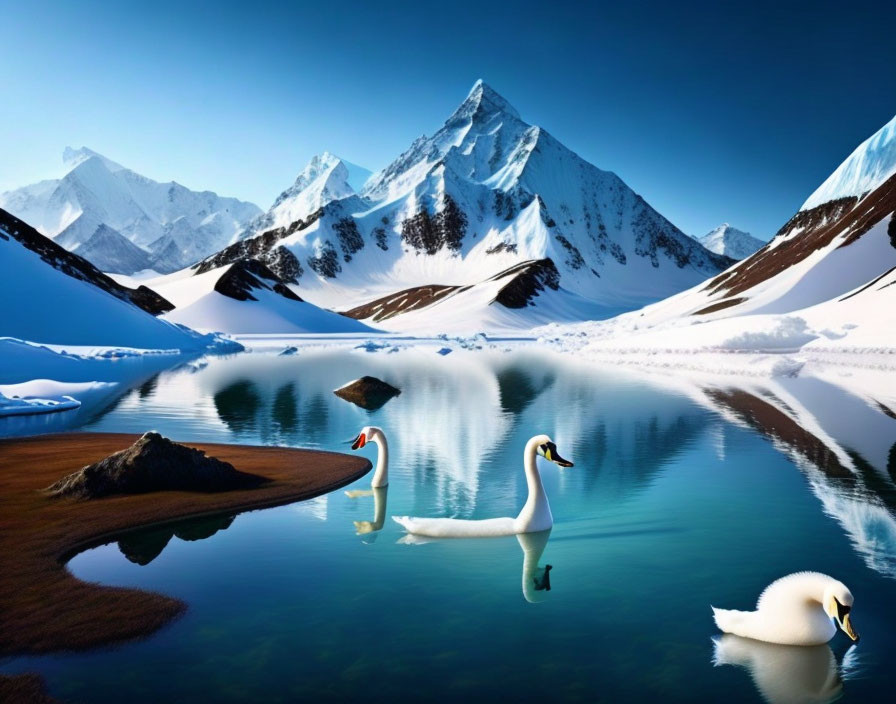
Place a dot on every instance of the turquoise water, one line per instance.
(683, 494)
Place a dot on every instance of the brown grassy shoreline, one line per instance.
(44, 608)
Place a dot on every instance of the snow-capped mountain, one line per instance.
(485, 193)
(825, 282)
(326, 178)
(176, 226)
(872, 163)
(730, 241)
(109, 250)
(54, 296)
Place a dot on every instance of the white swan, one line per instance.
(783, 673)
(535, 516)
(799, 609)
(371, 433)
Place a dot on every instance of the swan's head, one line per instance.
(365, 436)
(548, 450)
(837, 604)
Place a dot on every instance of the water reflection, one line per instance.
(783, 674)
(842, 444)
(145, 545)
(369, 529)
(536, 579)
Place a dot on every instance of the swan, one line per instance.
(783, 673)
(370, 433)
(535, 516)
(799, 609)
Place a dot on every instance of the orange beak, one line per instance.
(359, 442)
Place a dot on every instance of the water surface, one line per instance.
(683, 494)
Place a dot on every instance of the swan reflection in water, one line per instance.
(536, 580)
(785, 674)
(369, 529)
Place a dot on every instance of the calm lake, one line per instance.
(683, 494)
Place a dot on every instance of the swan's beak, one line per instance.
(845, 622)
(359, 442)
(555, 457)
(846, 626)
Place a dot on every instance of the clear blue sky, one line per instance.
(711, 112)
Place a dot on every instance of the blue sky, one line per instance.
(712, 113)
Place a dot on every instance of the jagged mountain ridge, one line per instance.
(486, 192)
(96, 191)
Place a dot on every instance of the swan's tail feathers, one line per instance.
(728, 620)
(403, 521)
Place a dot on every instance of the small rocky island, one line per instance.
(368, 392)
(153, 463)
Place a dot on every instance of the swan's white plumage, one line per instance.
(789, 611)
(534, 516)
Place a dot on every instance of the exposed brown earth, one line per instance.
(402, 302)
(721, 305)
(820, 225)
(525, 281)
(47, 609)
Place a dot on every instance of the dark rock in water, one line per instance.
(153, 463)
(288, 351)
(368, 392)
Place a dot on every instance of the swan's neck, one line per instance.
(536, 513)
(381, 473)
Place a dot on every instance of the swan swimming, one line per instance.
(799, 609)
(535, 516)
(370, 433)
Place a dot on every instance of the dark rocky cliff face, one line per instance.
(248, 275)
(526, 281)
(78, 267)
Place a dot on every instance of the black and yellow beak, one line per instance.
(359, 441)
(845, 622)
(549, 451)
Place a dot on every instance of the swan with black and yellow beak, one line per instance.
(799, 609)
(535, 515)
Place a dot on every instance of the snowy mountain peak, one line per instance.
(72, 158)
(730, 241)
(484, 100)
(324, 179)
(872, 163)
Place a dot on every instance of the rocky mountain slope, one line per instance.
(54, 296)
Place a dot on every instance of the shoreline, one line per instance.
(45, 607)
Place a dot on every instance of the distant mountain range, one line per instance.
(487, 206)
(125, 222)
(730, 242)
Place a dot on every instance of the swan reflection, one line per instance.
(369, 529)
(536, 580)
(783, 674)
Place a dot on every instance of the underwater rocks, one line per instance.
(153, 463)
(368, 392)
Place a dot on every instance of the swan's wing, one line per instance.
(455, 528)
